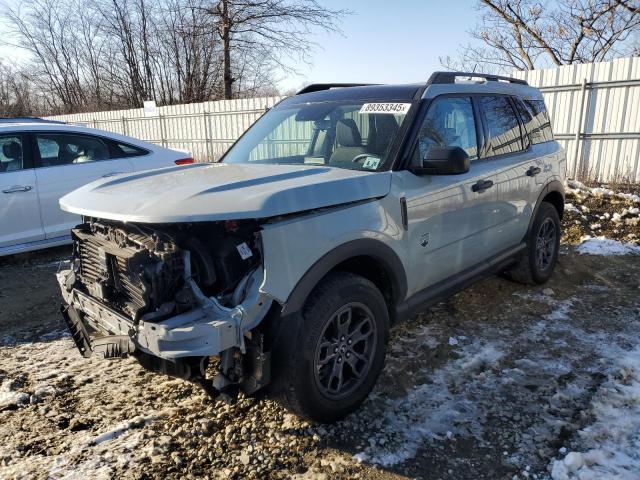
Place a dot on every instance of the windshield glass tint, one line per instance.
(356, 135)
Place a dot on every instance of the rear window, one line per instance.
(502, 124)
(539, 127)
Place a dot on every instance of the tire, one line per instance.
(543, 245)
(321, 340)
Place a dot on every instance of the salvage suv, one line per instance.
(344, 209)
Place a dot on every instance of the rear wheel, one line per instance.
(337, 348)
(543, 245)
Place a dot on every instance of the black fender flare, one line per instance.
(380, 252)
(552, 186)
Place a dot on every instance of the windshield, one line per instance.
(356, 135)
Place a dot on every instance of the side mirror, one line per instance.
(443, 161)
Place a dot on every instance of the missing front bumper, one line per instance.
(206, 330)
(109, 346)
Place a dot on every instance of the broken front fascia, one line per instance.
(205, 330)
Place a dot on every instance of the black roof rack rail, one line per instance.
(450, 77)
(29, 120)
(317, 87)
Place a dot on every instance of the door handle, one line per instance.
(111, 174)
(533, 171)
(482, 185)
(18, 188)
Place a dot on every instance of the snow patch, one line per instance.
(435, 410)
(561, 310)
(570, 207)
(613, 438)
(120, 429)
(574, 186)
(606, 247)
(13, 399)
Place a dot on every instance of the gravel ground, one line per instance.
(502, 381)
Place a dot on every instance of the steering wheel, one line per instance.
(361, 156)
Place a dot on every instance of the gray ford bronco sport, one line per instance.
(343, 209)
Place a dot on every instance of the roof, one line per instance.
(405, 92)
(61, 127)
(438, 84)
(27, 120)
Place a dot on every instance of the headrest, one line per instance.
(347, 134)
(382, 130)
(12, 150)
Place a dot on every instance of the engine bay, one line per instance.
(139, 270)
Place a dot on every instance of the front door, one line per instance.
(67, 161)
(449, 216)
(19, 210)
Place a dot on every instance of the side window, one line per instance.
(11, 158)
(540, 130)
(526, 119)
(449, 122)
(122, 150)
(66, 149)
(502, 125)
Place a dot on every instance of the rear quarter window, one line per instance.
(539, 127)
(125, 150)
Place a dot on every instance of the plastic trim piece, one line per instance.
(375, 249)
(458, 282)
(450, 77)
(317, 87)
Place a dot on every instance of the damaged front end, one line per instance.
(184, 299)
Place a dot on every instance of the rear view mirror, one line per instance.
(443, 161)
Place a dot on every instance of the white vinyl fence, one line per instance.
(595, 110)
(205, 129)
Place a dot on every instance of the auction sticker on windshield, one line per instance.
(371, 163)
(393, 108)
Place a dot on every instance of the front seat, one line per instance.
(348, 141)
(383, 129)
(13, 153)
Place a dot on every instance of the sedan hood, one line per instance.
(209, 192)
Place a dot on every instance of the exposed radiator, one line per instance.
(129, 278)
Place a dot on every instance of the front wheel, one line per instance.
(543, 246)
(336, 348)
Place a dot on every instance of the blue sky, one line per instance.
(390, 41)
(382, 41)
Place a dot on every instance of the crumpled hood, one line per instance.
(209, 192)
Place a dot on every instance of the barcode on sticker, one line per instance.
(393, 108)
(244, 251)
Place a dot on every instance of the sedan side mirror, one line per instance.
(443, 161)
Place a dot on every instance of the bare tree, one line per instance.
(270, 31)
(17, 97)
(193, 50)
(106, 54)
(526, 34)
(46, 32)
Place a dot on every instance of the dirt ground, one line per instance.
(502, 381)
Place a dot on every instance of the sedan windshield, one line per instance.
(355, 135)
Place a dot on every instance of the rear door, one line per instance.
(449, 218)
(66, 161)
(515, 163)
(19, 209)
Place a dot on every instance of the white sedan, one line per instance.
(41, 161)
